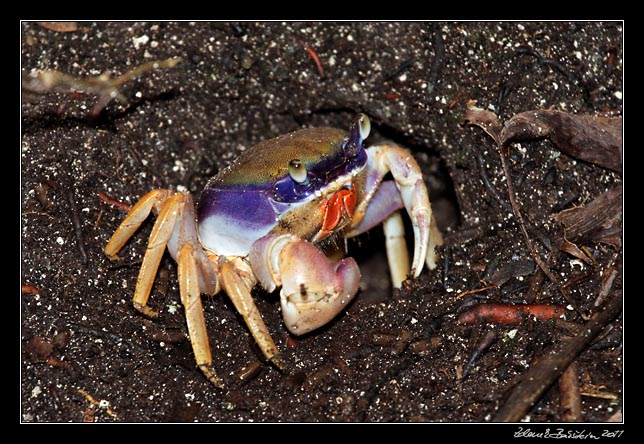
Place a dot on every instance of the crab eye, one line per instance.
(364, 125)
(297, 171)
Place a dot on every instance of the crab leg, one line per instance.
(191, 300)
(175, 228)
(161, 232)
(133, 220)
(238, 290)
(185, 233)
(397, 255)
(196, 275)
(159, 237)
(314, 290)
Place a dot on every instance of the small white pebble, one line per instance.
(574, 262)
(138, 41)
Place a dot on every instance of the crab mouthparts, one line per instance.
(337, 210)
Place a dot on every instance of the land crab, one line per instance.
(264, 219)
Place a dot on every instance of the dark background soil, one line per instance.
(393, 356)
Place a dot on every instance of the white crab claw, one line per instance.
(411, 194)
(314, 290)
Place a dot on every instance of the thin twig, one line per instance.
(439, 58)
(98, 219)
(558, 66)
(535, 282)
(39, 213)
(569, 395)
(486, 286)
(102, 404)
(77, 226)
(404, 65)
(446, 256)
(486, 342)
(607, 283)
(103, 85)
(488, 184)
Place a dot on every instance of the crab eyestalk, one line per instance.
(359, 132)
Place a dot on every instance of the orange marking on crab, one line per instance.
(340, 204)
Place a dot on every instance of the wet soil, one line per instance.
(393, 355)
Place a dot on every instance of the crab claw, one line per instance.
(383, 198)
(314, 290)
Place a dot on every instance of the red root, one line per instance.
(108, 200)
(509, 314)
(30, 289)
(316, 59)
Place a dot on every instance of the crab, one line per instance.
(271, 218)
